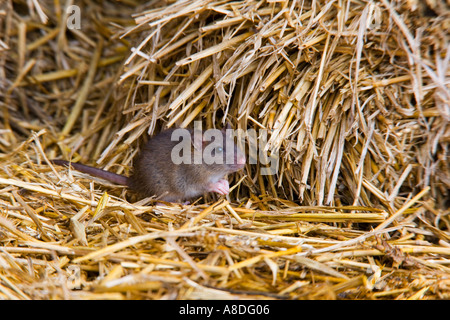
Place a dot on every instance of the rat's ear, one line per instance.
(197, 140)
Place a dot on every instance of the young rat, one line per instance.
(178, 164)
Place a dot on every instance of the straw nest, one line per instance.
(354, 96)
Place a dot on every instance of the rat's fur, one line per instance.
(155, 174)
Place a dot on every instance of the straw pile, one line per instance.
(354, 95)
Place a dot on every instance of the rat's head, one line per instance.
(219, 151)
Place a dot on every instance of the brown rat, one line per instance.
(193, 164)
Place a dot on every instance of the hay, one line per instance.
(354, 95)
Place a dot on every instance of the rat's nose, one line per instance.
(240, 159)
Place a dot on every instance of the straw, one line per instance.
(350, 96)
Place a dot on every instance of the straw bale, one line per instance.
(354, 97)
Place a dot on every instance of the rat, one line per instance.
(175, 171)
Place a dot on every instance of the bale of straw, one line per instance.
(353, 96)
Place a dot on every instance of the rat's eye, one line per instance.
(219, 149)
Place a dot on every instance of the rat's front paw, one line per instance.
(221, 187)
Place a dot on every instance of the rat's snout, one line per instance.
(240, 159)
